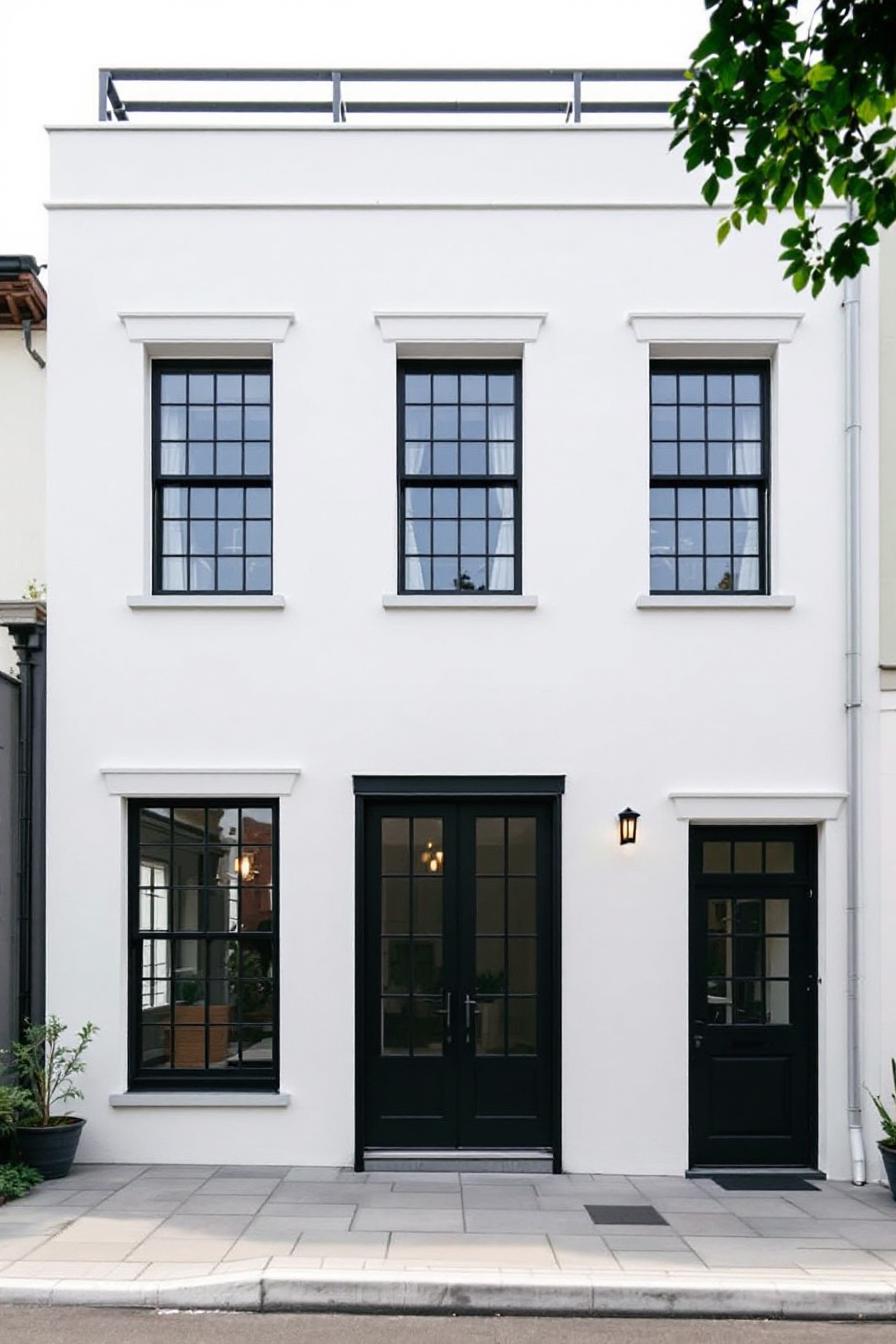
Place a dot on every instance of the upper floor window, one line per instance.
(459, 477)
(709, 477)
(203, 944)
(211, 452)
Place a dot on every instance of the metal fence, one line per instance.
(566, 94)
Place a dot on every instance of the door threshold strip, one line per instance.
(537, 1160)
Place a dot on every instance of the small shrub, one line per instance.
(16, 1180)
(47, 1069)
(15, 1102)
(887, 1120)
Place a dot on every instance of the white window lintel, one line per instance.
(460, 328)
(734, 328)
(206, 328)
(758, 806)
(189, 782)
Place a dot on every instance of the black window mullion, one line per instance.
(241, 1074)
(678, 481)
(484, 480)
(216, 369)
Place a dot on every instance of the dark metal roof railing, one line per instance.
(114, 105)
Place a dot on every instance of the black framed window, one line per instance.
(709, 471)
(203, 878)
(459, 440)
(212, 483)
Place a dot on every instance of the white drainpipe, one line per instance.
(852, 389)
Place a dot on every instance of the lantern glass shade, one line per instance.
(628, 826)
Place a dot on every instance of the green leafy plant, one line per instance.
(888, 1121)
(788, 112)
(14, 1103)
(16, 1179)
(46, 1069)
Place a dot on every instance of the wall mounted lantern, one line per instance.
(628, 826)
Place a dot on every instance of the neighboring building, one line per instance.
(23, 317)
(23, 312)
(392, 608)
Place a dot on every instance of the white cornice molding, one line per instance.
(737, 328)
(792, 807)
(460, 328)
(187, 782)
(192, 328)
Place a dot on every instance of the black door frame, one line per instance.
(740, 830)
(456, 788)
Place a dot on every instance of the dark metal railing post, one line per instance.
(105, 80)
(337, 96)
(577, 96)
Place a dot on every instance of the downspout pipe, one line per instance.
(853, 418)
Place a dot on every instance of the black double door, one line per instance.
(753, 997)
(457, 1027)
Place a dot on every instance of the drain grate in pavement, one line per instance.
(634, 1215)
(764, 1183)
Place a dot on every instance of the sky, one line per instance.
(72, 39)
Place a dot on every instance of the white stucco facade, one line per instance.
(22, 475)
(582, 252)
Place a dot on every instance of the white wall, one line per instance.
(22, 474)
(629, 704)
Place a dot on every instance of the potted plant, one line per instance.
(46, 1068)
(887, 1145)
(15, 1178)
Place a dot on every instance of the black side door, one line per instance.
(753, 996)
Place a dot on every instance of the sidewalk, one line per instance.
(281, 1238)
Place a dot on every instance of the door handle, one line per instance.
(697, 1040)
(446, 1013)
(471, 1007)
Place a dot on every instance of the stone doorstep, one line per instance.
(681, 1294)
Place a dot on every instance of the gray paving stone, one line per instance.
(283, 1210)
(830, 1259)
(365, 1244)
(320, 1174)
(373, 1198)
(582, 1252)
(760, 1206)
(502, 1197)
(654, 1239)
(408, 1220)
(313, 1192)
(181, 1169)
(513, 1251)
(662, 1262)
(213, 1204)
(708, 1224)
(184, 1252)
(758, 1253)
(311, 1216)
(185, 1225)
(839, 1207)
(258, 1172)
(106, 1251)
(871, 1235)
(526, 1220)
(238, 1185)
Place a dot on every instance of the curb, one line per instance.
(469, 1293)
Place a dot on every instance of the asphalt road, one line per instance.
(78, 1325)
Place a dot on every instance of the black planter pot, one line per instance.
(889, 1160)
(50, 1150)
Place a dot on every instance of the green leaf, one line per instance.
(867, 111)
(801, 277)
(820, 74)
(710, 190)
(723, 230)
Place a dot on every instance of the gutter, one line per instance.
(853, 444)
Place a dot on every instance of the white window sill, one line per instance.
(212, 602)
(700, 601)
(146, 1100)
(425, 601)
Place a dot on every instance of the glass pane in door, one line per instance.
(411, 935)
(506, 952)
